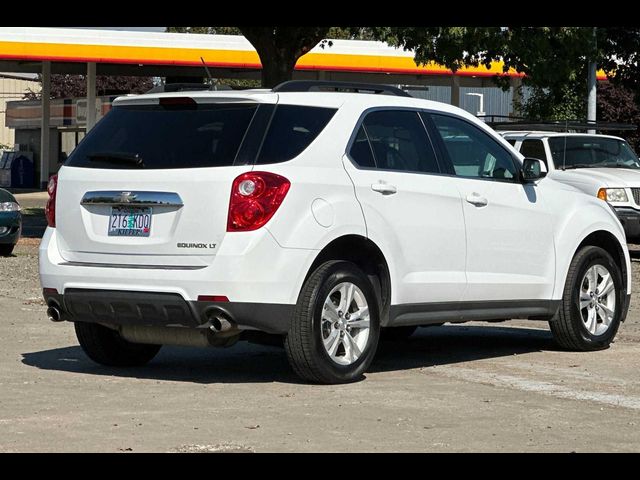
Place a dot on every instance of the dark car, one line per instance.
(10, 222)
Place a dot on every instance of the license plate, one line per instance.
(130, 222)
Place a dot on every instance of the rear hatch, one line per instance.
(150, 184)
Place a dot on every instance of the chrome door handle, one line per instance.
(384, 188)
(477, 200)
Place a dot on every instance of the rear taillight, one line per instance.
(50, 208)
(255, 197)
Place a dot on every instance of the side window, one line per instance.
(292, 129)
(361, 150)
(400, 142)
(534, 149)
(473, 153)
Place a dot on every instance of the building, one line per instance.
(13, 86)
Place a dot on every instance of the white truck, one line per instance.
(600, 165)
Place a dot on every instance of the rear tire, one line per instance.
(336, 324)
(583, 321)
(6, 250)
(106, 347)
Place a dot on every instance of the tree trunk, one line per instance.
(276, 71)
(279, 48)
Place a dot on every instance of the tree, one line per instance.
(66, 86)
(616, 104)
(553, 59)
(279, 48)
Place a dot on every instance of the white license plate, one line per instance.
(130, 222)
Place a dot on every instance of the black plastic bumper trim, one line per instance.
(164, 309)
(630, 220)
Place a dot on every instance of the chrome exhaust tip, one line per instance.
(220, 321)
(54, 314)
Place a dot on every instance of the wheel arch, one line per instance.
(610, 243)
(368, 257)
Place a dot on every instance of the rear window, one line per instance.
(160, 137)
(196, 135)
(292, 130)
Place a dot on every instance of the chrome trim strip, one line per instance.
(134, 198)
(141, 267)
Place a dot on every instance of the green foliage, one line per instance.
(73, 86)
(206, 30)
(616, 104)
(567, 102)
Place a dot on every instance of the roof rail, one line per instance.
(347, 87)
(521, 123)
(186, 87)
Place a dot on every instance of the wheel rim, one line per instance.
(597, 300)
(345, 323)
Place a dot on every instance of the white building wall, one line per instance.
(12, 89)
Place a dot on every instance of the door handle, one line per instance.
(477, 200)
(384, 188)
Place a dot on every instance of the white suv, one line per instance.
(321, 214)
(603, 166)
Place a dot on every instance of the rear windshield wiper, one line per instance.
(117, 157)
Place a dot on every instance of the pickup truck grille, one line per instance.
(636, 195)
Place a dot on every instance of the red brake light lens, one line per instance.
(50, 208)
(255, 198)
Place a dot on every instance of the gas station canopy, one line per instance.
(154, 53)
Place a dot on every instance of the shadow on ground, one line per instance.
(248, 363)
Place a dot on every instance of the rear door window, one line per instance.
(400, 142)
(165, 137)
(360, 151)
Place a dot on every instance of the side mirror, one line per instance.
(532, 170)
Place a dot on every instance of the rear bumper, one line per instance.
(155, 309)
(10, 227)
(261, 280)
(630, 220)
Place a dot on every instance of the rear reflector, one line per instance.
(49, 291)
(212, 298)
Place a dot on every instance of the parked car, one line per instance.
(320, 213)
(10, 222)
(603, 166)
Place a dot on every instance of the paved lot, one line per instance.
(472, 387)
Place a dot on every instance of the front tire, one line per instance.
(6, 250)
(336, 325)
(106, 347)
(592, 302)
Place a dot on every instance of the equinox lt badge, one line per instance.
(196, 245)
